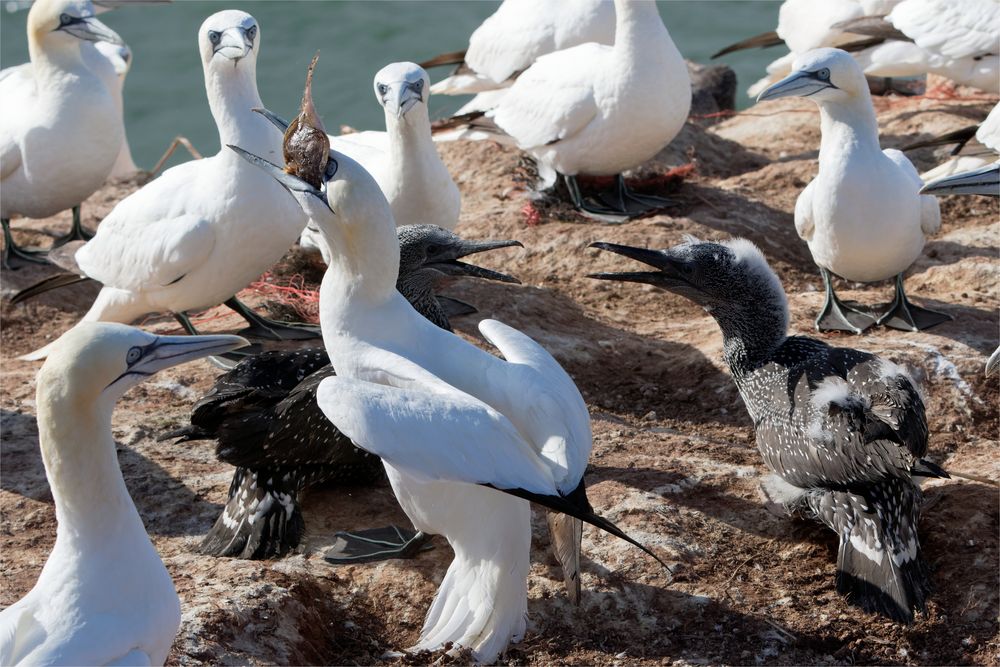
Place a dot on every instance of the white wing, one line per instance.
(554, 99)
(429, 429)
(17, 88)
(804, 223)
(556, 419)
(930, 211)
(952, 28)
(170, 249)
(370, 149)
(988, 133)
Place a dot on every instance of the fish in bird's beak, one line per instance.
(167, 351)
(670, 271)
(982, 181)
(798, 84)
(445, 260)
(401, 96)
(295, 185)
(233, 43)
(88, 29)
(306, 146)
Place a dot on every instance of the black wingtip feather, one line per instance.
(762, 41)
(47, 285)
(453, 58)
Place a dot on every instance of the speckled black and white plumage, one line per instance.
(264, 417)
(843, 431)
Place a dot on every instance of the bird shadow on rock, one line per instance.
(943, 253)
(22, 472)
(614, 369)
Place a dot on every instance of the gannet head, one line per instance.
(724, 278)
(228, 38)
(822, 75)
(400, 86)
(432, 252)
(63, 22)
(100, 361)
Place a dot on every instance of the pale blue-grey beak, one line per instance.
(88, 29)
(290, 182)
(234, 44)
(168, 351)
(798, 84)
(401, 96)
(982, 181)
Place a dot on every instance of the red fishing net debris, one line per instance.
(291, 293)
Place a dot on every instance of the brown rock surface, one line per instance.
(674, 461)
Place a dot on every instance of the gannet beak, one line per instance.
(401, 96)
(282, 124)
(233, 44)
(291, 182)
(982, 181)
(798, 84)
(88, 29)
(448, 264)
(167, 351)
(670, 268)
(993, 363)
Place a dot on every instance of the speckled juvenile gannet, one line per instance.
(518, 425)
(862, 215)
(599, 110)
(60, 130)
(205, 229)
(519, 32)
(104, 596)
(843, 431)
(265, 419)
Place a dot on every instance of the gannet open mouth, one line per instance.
(451, 266)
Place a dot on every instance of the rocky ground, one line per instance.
(674, 461)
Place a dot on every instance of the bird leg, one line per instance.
(262, 327)
(905, 316)
(837, 315)
(367, 546)
(12, 251)
(76, 232)
(591, 210)
(632, 203)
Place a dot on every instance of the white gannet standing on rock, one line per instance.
(843, 431)
(862, 215)
(447, 419)
(205, 229)
(104, 596)
(61, 129)
(519, 32)
(599, 110)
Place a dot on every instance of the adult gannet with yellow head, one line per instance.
(862, 215)
(204, 229)
(104, 596)
(61, 129)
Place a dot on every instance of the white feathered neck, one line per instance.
(56, 63)
(639, 32)
(848, 128)
(232, 96)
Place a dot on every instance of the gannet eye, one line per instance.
(382, 89)
(823, 74)
(417, 85)
(65, 19)
(133, 355)
(251, 33)
(433, 249)
(214, 36)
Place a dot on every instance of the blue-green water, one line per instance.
(165, 95)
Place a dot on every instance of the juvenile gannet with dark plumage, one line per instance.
(265, 419)
(205, 229)
(104, 596)
(862, 215)
(843, 431)
(60, 130)
(518, 426)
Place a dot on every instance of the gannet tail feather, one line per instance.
(453, 58)
(261, 518)
(566, 534)
(474, 120)
(872, 26)
(880, 567)
(47, 285)
(762, 41)
(959, 137)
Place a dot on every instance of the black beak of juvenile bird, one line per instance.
(447, 261)
(670, 269)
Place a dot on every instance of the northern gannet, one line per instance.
(519, 426)
(104, 596)
(519, 32)
(842, 430)
(265, 419)
(120, 57)
(976, 146)
(204, 229)
(600, 110)
(862, 215)
(61, 129)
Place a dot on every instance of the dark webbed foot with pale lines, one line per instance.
(76, 232)
(614, 207)
(268, 329)
(906, 316)
(375, 544)
(13, 253)
(837, 315)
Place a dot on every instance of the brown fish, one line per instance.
(306, 146)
